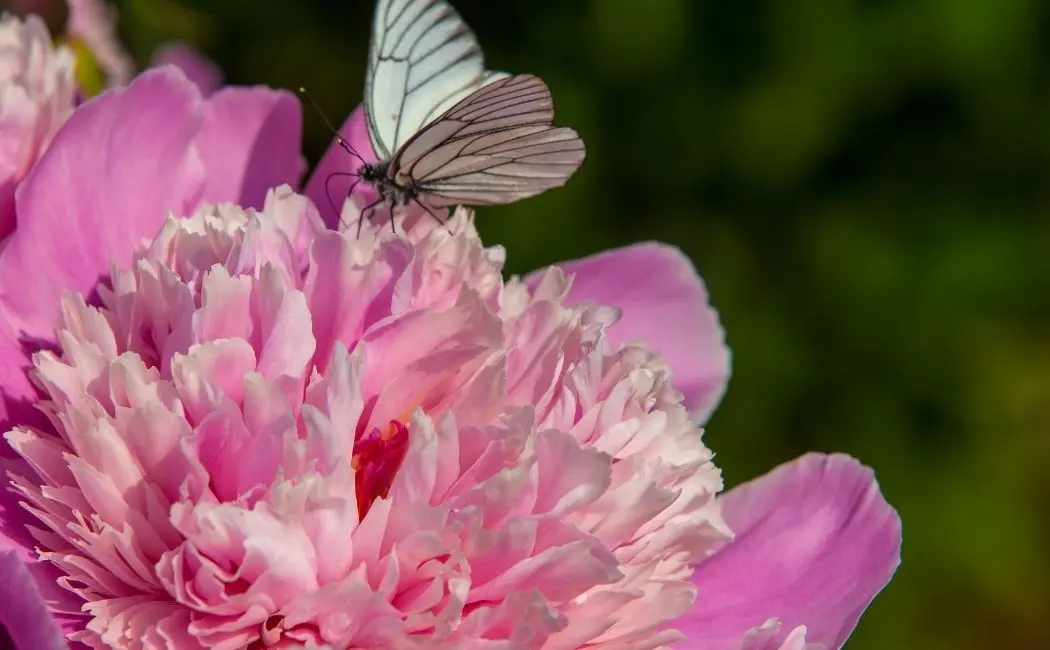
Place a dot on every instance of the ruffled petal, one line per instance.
(663, 303)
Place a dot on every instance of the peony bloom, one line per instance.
(262, 432)
(37, 91)
(298, 436)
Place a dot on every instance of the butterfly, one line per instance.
(445, 130)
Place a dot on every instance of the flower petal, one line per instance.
(113, 171)
(197, 68)
(664, 303)
(24, 614)
(95, 23)
(16, 400)
(330, 182)
(815, 541)
(250, 142)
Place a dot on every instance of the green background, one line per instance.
(863, 186)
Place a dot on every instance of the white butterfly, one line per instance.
(445, 130)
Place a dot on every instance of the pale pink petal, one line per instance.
(348, 295)
(771, 635)
(23, 613)
(664, 304)
(331, 180)
(815, 542)
(95, 23)
(120, 163)
(250, 142)
(197, 68)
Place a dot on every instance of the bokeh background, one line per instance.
(863, 186)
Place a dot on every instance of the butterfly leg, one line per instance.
(431, 213)
(364, 214)
(328, 194)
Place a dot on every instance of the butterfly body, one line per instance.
(389, 190)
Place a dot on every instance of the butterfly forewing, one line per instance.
(495, 146)
(423, 59)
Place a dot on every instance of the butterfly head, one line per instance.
(371, 172)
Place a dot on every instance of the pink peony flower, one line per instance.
(282, 434)
(261, 432)
(37, 90)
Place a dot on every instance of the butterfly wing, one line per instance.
(423, 59)
(495, 146)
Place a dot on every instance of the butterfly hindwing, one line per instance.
(497, 145)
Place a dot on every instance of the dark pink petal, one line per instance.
(249, 142)
(664, 303)
(112, 173)
(331, 180)
(197, 68)
(815, 542)
(18, 394)
(23, 613)
(14, 519)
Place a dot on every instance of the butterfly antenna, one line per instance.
(338, 138)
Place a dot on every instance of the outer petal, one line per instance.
(250, 141)
(330, 182)
(23, 613)
(198, 69)
(664, 303)
(815, 541)
(113, 171)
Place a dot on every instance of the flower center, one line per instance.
(377, 457)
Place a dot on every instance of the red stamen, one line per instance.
(377, 458)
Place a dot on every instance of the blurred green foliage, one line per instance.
(863, 186)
